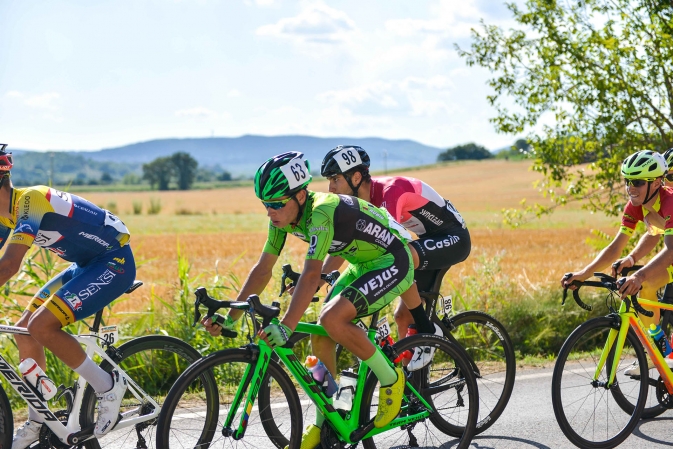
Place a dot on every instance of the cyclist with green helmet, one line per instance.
(651, 203)
(380, 269)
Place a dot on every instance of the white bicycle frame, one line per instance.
(71, 433)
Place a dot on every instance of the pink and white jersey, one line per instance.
(416, 205)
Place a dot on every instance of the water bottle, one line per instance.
(408, 354)
(347, 383)
(321, 375)
(389, 340)
(660, 339)
(37, 378)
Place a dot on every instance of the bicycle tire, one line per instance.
(490, 349)
(572, 386)
(207, 420)
(163, 359)
(447, 364)
(6, 420)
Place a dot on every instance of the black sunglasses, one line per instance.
(636, 182)
(669, 177)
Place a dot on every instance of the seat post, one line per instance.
(96, 321)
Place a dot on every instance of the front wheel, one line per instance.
(186, 420)
(153, 362)
(447, 384)
(6, 420)
(584, 407)
(492, 354)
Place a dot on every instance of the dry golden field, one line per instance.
(226, 228)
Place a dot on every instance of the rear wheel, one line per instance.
(587, 413)
(6, 420)
(448, 385)
(154, 362)
(491, 351)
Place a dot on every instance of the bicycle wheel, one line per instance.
(6, 420)
(154, 362)
(491, 351)
(453, 396)
(187, 421)
(585, 410)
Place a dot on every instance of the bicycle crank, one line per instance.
(663, 396)
(48, 440)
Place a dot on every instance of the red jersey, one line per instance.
(414, 204)
(661, 224)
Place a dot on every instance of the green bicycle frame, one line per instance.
(252, 380)
(629, 318)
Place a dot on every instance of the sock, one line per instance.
(423, 324)
(384, 372)
(100, 380)
(35, 416)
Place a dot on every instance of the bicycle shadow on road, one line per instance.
(642, 433)
(503, 442)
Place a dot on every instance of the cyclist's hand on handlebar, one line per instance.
(275, 334)
(568, 278)
(620, 264)
(629, 286)
(216, 323)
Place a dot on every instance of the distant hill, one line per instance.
(242, 155)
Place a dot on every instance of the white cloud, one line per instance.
(316, 24)
(234, 93)
(41, 101)
(201, 113)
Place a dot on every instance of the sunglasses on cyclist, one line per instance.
(637, 182)
(277, 205)
(669, 177)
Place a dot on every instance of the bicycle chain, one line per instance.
(663, 396)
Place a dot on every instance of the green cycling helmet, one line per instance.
(282, 175)
(668, 155)
(647, 165)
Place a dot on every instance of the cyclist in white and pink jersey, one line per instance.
(443, 238)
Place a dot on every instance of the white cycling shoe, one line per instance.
(423, 354)
(109, 404)
(26, 435)
(634, 369)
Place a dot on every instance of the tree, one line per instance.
(106, 178)
(185, 169)
(467, 151)
(159, 172)
(601, 69)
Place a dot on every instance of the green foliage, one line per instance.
(137, 207)
(599, 71)
(463, 152)
(112, 207)
(180, 167)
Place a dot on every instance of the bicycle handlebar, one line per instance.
(607, 282)
(293, 276)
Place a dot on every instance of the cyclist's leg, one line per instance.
(434, 253)
(657, 279)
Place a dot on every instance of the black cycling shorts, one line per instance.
(443, 250)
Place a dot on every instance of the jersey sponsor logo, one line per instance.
(24, 227)
(94, 287)
(74, 300)
(313, 245)
(346, 199)
(115, 267)
(431, 217)
(121, 261)
(379, 281)
(439, 244)
(95, 238)
(383, 236)
(85, 209)
(300, 235)
(374, 211)
(59, 251)
(361, 225)
(317, 228)
(46, 238)
(44, 293)
(60, 201)
(26, 207)
(336, 245)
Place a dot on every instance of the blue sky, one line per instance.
(99, 74)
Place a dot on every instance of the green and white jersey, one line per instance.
(342, 225)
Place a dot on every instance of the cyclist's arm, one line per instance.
(303, 293)
(609, 254)
(655, 272)
(331, 263)
(645, 245)
(11, 261)
(257, 280)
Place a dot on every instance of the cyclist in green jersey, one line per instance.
(381, 268)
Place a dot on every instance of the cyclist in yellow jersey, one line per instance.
(652, 203)
(103, 267)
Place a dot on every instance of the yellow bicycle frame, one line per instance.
(629, 318)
